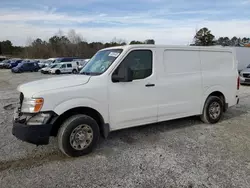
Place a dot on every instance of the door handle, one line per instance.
(150, 85)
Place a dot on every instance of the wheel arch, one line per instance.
(216, 93)
(93, 113)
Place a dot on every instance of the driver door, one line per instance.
(63, 68)
(134, 103)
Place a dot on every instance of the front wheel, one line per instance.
(74, 71)
(78, 135)
(213, 110)
(58, 72)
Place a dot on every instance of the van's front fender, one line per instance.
(83, 102)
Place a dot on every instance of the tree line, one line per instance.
(73, 44)
(204, 37)
(59, 45)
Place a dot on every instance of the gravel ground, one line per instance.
(179, 153)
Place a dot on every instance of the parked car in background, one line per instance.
(4, 63)
(59, 60)
(2, 58)
(46, 70)
(65, 59)
(41, 62)
(66, 67)
(46, 62)
(245, 75)
(13, 63)
(26, 67)
(81, 63)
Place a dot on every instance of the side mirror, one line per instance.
(124, 75)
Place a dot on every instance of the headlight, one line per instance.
(32, 105)
(39, 119)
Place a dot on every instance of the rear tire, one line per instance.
(213, 110)
(58, 72)
(78, 135)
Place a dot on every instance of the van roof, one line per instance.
(209, 48)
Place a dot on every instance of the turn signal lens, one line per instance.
(38, 105)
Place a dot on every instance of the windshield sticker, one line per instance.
(114, 54)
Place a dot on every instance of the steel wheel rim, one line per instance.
(81, 137)
(214, 110)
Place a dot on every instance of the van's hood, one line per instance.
(31, 88)
(45, 68)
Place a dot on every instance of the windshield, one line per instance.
(52, 65)
(58, 61)
(57, 66)
(20, 64)
(248, 66)
(100, 62)
(5, 61)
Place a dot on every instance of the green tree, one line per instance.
(6, 47)
(204, 37)
(36, 42)
(136, 42)
(224, 41)
(150, 41)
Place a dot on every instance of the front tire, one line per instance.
(78, 135)
(74, 71)
(213, 110)
(58, 72)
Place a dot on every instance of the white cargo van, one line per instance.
(123, 87)
(65, 67)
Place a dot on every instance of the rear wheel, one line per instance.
(213, 110)
(58, 72)
(78, 135)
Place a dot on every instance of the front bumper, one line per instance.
(34, 134)
(30, 128)
(244, 80)
(14, 70)
(45, 71)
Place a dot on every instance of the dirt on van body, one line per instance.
(179, 153)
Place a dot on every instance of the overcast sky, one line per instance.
(166, 21)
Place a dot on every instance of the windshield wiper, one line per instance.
(85, 73)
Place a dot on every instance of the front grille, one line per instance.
(246, 75)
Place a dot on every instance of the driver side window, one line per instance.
(140, 62)
(63, 66)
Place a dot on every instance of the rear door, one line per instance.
(180, 85)
(63, 68)
(25, 67)
(69, 68)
